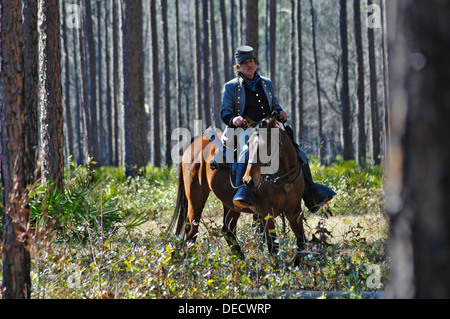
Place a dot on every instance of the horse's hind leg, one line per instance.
(197, 196)
(230, 219)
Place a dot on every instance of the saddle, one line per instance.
(216, 163)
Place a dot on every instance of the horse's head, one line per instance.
(264, 145)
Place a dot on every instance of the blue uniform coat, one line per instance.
(233, 100)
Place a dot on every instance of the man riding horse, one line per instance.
(252, 96)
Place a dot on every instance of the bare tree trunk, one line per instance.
(301, 120)
(156, 109)
(322, 141)
(78, 98)
(30, 51)
(225, 46)
(133, 74)
(109, 84)
(67, 98)
(250, 24)
(293, 69)
(272, 10)
(360, 90)
(233, 31)
(16, 283)
(345, 96)
(419, 161)
(116, 81)
(198, 64)
(178, 64)
(387, 131)
(92, 87)
(167, 120)
(52, 136)
(100, 77)
(376, 148)
(206, 66)
(85, 88)
(216, 98)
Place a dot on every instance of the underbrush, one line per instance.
(105, 238)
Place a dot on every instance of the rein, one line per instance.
(277, 181)
(284, 180)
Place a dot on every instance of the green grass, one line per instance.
(108, 240)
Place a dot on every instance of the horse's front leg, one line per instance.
(296, 222)
(271, 235)
(230, 219)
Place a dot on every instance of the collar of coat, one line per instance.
(251, 84)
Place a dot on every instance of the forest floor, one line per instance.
(109, 241)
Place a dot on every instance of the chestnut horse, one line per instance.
(276, 193)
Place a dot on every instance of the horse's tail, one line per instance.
(181, 208)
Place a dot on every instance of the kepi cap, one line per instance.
(243, 53)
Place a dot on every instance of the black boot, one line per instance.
(243, 197)
(315, 194)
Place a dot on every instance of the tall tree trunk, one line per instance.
(93, 138)
(30, 52)
(345, 96)
(69, 137)
(134, 112)
(156, 109)
(376, 148)
(52, 136)
(198, 64)
(322, 142)
(109, 84)
(206, 66)
(178, 64)
(301, 118)
(216, 98)
(78, 98)
(272, 39)
(419, 161)
(167, 120)
(225, 46)
(387, 131)
(85, 89)
(293, 69)
(100, 77)
(233, 31)
(116, 81)
(361, 85)
(16, 281)
(250, 24)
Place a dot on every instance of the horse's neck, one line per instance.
(288, 155)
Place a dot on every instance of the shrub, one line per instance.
(110, 241)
